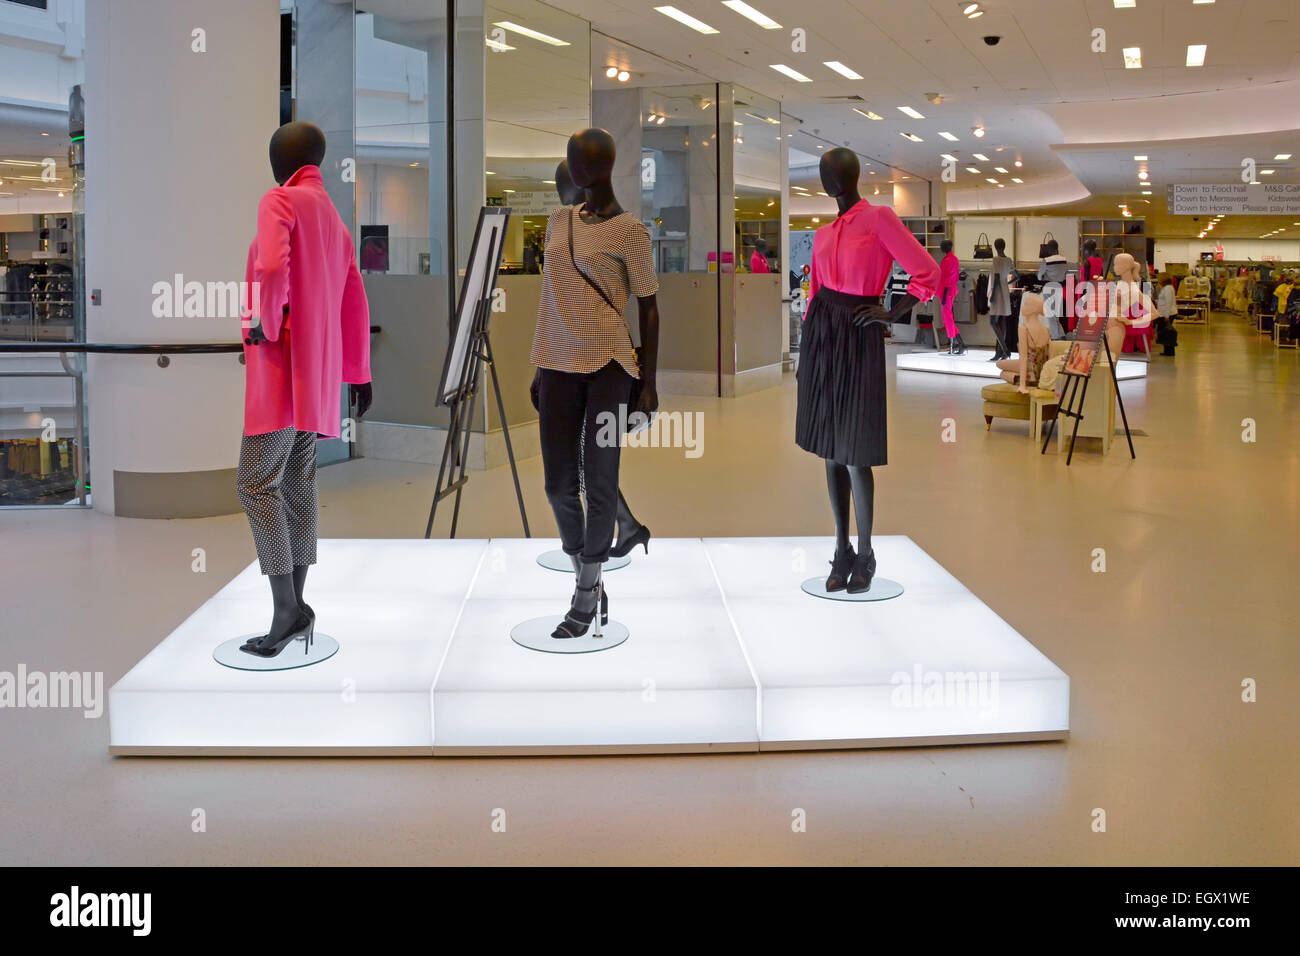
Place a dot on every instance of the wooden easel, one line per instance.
(1071, 408)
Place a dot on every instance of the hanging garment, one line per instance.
(304, 263)
(1001, 275)
(982, 294)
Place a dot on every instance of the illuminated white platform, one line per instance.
(976, 364)
(725, 653)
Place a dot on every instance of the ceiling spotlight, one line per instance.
(978, 131)
(1142, 174)
(1267, 172)
(1140, 159)
(660, 120)
(612, 72)
(877, 192)
(1019, 164)
(623, 76)
(816, 219)
(969, 8)
(994, 181)
(999, 169)
(1146, 192)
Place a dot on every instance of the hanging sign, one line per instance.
(1234, 199)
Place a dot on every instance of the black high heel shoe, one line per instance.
(576, 621)
(303, 608)
(270, 646)
(864, 569)
(640, 536)
(837, 580)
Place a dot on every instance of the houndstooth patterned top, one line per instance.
(577, 331)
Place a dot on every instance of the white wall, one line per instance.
(1031, 229)
(176, 162)
(966, 229)
(1189, 250)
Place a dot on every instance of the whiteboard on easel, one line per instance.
(479, 284)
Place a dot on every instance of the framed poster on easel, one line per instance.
(1090, 339)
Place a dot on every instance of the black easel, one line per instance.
(1069, 409)
(462, 403)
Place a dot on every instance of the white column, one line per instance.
(176, 160)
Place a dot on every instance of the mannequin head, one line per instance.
(1126, 267)
(945, 246)
(1089, 248)
(760, 246)
(840, 172)
(1001, 246)
(293, 146)
(1032, 308)
(570, 194)
(591, 157)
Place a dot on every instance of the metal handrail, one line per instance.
(64, 349)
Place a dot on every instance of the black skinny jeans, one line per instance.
(570, 407)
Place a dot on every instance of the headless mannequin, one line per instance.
(590, 165)
(294, 146)
(840, 172)
(630, 531)
(999, 321)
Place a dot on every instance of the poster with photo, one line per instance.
(1088, 333)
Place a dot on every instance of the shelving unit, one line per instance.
(929, 231)
(1130, 232)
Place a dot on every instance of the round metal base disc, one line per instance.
(535, 634)
(323, 647)
(882, 589)
(557, 560)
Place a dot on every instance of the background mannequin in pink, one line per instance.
(307, 332)
(841, 406)
(949, 273)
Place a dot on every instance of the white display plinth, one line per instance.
(727, 653)
(976, 364)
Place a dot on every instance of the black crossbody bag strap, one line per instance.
(573, 212)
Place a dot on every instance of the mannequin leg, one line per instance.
(997, 322)
(607, 390)
(839, 487)
(562, 398)
(298, 490)
(864, 498)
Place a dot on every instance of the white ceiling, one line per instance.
(1039, 92)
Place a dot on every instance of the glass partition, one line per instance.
(758, 144)
(679, 175)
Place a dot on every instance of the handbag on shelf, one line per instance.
(1043, 251)
(641, 421)
(983, 248)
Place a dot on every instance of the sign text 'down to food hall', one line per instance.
(1234, 199)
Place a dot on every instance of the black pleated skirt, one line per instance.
(841, 412)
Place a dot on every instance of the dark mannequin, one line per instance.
(996, 321)
(840, 172)
(630, 531)
(294, 146)
(955, 345)
(590, 165)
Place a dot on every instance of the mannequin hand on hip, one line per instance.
(254, 335)
(534, 390)
(872, 313)
(648, 403)
(361, 396)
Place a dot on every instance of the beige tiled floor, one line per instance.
(1201, 546)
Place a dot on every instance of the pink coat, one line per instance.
(312, 307)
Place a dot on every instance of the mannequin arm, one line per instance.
(648, 308)
(878, 313)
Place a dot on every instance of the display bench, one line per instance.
(725, 653)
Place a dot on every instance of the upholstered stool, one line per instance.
(1004, 400)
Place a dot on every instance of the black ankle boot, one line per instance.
(864, 569)
(837, 580)
(588, 597)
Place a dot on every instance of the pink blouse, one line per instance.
(854, 254)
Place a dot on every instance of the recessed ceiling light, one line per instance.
(868, 114)
(1198, 2)
(612, 72)
(1142, 174)
(1140, 159)
(978, 131)
(1019, 164)
(969, 8)
(912, 136)
(1146, 192)
(623, 76)
(502, 47)
(1002, 185)
(685, 19)
(816, 219)
(981, 157)
(1282, 156)
(488, 172)
(44, 133)
(948, 136)
(999, 169)
(1196, 54)
(549, 182)
(975, 16)
(994, 181)
(793, 74)
(1015, 180)
(507, 190)
(1125, 4)
(972, 169)
(749, 13)
(1267, 172)
(908, 111)
(525, 31)
(948, 156)
(842, 70)
(414, 165)
(1132, 58)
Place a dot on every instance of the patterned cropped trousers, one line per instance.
(277, 487)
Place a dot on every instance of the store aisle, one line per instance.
(1196, 543)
